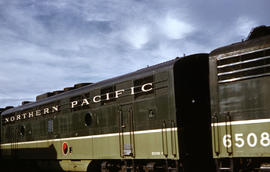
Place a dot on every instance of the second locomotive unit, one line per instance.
(240, 96)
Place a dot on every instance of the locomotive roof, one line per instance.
(133, 75)
(242, 47)
(258, 38)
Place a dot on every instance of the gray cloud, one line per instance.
(48, 45)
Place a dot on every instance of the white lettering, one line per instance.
(97, 99)
(85, 102)
(132, 90)
(239, 141)
(145, 89)
(254, 139)
(227, 142)
(38, 112)
(12, 118)
(30, 114)
(18, 117)
(46, 111)
(24, 115)
(265, 141)
(107, 96)
(250, 138)
(118, 92)
(73, 104)
(54, 109)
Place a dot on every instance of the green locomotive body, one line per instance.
(240, 96)
(142, 120)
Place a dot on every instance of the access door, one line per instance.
(126, 131)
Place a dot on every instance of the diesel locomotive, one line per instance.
(144, 120)
(203, 112)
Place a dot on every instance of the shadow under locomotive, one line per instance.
(26, 159)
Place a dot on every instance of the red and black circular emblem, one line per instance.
(65, 148)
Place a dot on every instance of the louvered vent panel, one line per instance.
(245, 66)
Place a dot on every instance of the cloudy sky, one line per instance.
(51, 44)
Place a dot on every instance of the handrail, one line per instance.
(173, 138)
(228, 120)
(126, 128)
(164, 140)
(120, 131)
(131, 130)
(214, 129)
